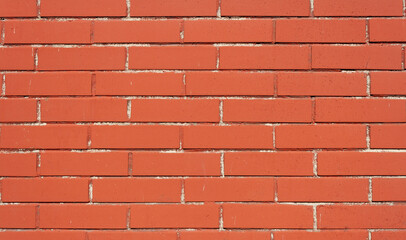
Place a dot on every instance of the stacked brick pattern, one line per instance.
(203, 119)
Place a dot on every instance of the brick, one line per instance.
(140, 84)
(388, 136)
(321, 235)
(361, 163)
(228, 137)
(321, 84)
(173, 57)
(265, 8)
(268, 164)
(361, 216)
(87, 8)
(117, 31)
(265, 57)
(387, 30)
(122, 235)
(175, 110)
(83, 216)
(45, 190)
(18, 110)
(357, 57)
(83, 109)
(82, 58)
(136, 190)
(176, 164)
(322, 189)
(43, 137)
(43, 235)
(220, 235)
(358, 8)
(33, 31)
(138, 136)
(388, 83)
(229, 83)
(17, 216)
(260, 30)
(18, 164)
(267, 216)
(360, 110)
(321, 30)
(388, 235)
(17, 58)
(66, 163)
(156, 8)
(388, 189)
(320, 136)
(229, 189)
(18, 8)
(175, 216)
(48, 84)
(274, 110)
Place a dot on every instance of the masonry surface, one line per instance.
(202, 119)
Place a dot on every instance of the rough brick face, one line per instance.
(202, 119)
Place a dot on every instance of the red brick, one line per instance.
(388, 83)
(86, 8)
(44, 137)
(18, 110)
(66, 163)
(173, 8)
(357, 57)
(360, 110)
(145, 83)
(18, 164)
(388, 235)
(137, 31)
(388, 136)
(83, 109)
(18, 8)
(321, 84)
(268, 164)
(176, 164)
(267, 216)
(265, 8)
(17, 58)
(361, 163)
(136, 190)
(322, 189)
(17, 216)
(228, 137)
(320, 136)
(229, 83)
(122, 235)
(175, 110)
(273, 110)
(138, 136)
(265, 57)
(358, 8)
(43, 235)
(175, 216)
(387, 30)
(221, 235)
(389, 189)
(361, 216)
(259, 30)
(32, 31)
(229, 189)
(48, 84)
(321, 235)
(45, 190)
(83, 216)
(321, 30)
(173, 57)
(82, 58)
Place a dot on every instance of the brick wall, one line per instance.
(203, 119)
